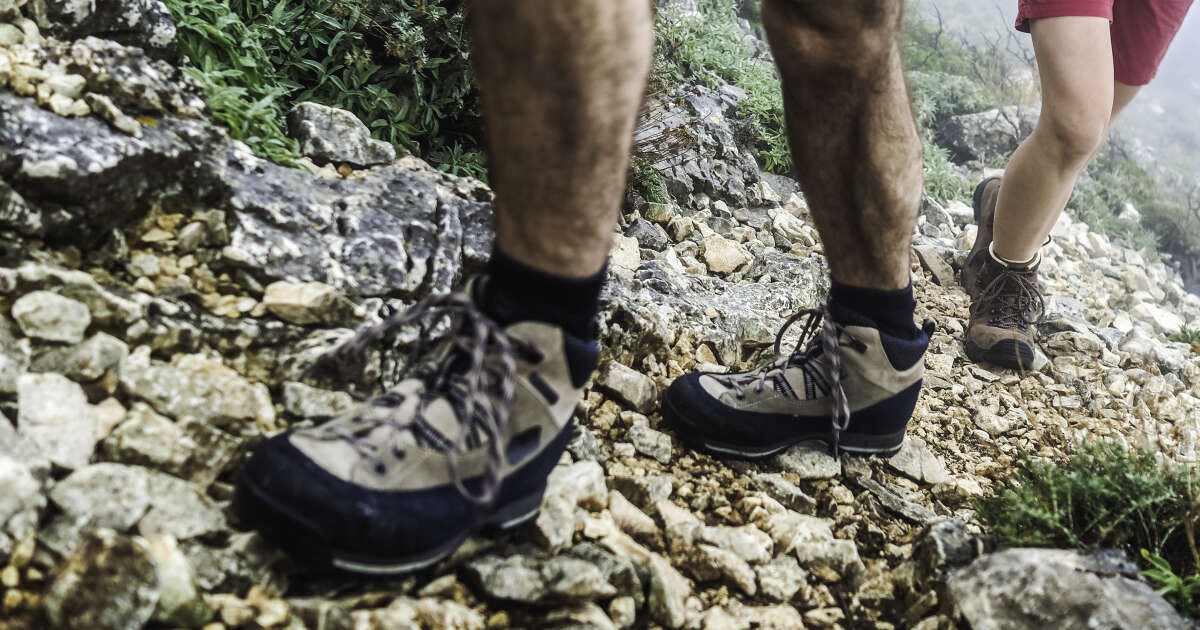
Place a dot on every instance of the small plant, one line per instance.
(1186, 334)
(402, 67)
(1182, 592)
(647, 181)
(238, 78)
(942, 179)
(1106, 496)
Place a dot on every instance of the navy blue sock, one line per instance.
(891, 311)
(517, 292)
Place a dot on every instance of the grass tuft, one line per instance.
(1106, 496)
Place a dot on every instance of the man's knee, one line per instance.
(1075, 134)
(859, 31)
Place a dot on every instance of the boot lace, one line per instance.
(472, 366)
(1012, 299)
(818, 354)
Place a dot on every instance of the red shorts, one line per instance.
(1141, 29)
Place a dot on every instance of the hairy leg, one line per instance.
(852, 133)
(1075, 63)
(562, 83)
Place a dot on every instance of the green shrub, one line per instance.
(939, 95)
(943, 180)
(647, 181)
(240, 81)
(711, 49)
(1104, 496)
(401, 66)
(1182, 592)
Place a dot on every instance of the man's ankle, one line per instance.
(516, 292)
(890, 310)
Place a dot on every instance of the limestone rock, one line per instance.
(110, 583)
(86, 361)
(747, 542)
(629, 518)
(831, 560)
(712, 562)
(808, 461)
(781, 578)
(305, 401)
(944, 546)
(581, 483)
(49, 316)
(989, 134)
(1163, 321)
(681, 526)
(555, 522)
(1040, 588)
(114, 496)
(179, 602)
(723, 255)
(21, 500)
(534, 581)
(668, 593)
(782, 490)
(306, 302)
(191, 450)
(629, 386)
(651, 443)
(54, 415)
(146, 24)
(917, 462)
(328, 134)
(789, 529)
(644, 491)
(200, 389)
(178, 509)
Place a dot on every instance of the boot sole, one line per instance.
(850, 443)
(256, 509)
(1007, 353)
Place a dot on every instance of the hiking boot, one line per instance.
(1007, 304)
(465, 440)
(847, 384)
(984, 205)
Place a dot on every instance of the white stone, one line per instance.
(305, 302)
(808, 461)
(723, 255)
(53, 413)
(1162, 320)
(49, 316)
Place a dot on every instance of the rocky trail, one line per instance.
(162, 290)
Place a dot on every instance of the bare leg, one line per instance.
(1122, 96)
(1075, 62)
(562, 82)
(852, 133)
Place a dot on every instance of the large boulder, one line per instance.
(1020, 589)
(985, 135)
(145, 24)
(692, 138)
(84, 178)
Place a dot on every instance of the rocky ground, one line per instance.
(162, 290)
